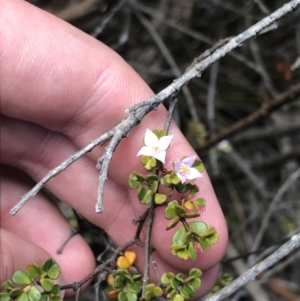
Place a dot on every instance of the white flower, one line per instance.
(224, 146)
(184, 169)
(155, 147)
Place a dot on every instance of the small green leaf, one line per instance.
(54, 271)
(145, 159)
(173, 223)
(180, 277)
(128, 279)
(183, 254)
(157, 292)
(205, 243)
(150, 164)
(7, 285)
(210, 231)
(122, 272)
(181, 188)
(174, 283)
(159, 133)
(135, 288)
(23, 297)
(165, 181)
(47, 284)
(122, 296)
(170, 213)
(134, 184)
(179, 210)
(142, 192)
(4, 296)
(148, 296)
(138, 177)
(196, 283)
(131, 297)
(34, 270)
(213, 239)
(171, 294)
(47, 264)
(147, 198)
(191, 215)
(55, 298)
(176, 248)
(194, 272)
(174, 178)
(199, 165)
(192, 252)
(173, 203)
(200, 228)
(165, 278)
(187, 238)
(16, 292)
(169, 290)
(20, 277)
(151, 178)
(185, 293)
(34, 294)
(44, 298)
(154, 187)
(136, 277)
(178, 297)
(56, 289)
(159, 198)
(201, 202)
(119, 282)
(150, 287)
(178, 238)
(190, 289)
(26, 288)
(193, 189)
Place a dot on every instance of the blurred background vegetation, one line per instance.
(256, 177)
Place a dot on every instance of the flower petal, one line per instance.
(193, 174)
(151, 139)
(177, 165)
(160, 156)
(164, 142)
(189, 161)
(181, 177)
(145, 151)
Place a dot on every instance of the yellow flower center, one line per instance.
(156, 148)
(184, 170)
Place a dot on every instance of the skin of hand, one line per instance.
(61, 88)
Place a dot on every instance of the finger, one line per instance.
(44, 230)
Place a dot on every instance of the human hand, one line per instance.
(60, 88)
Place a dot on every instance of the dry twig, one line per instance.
(264, 110)
(249, 275)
